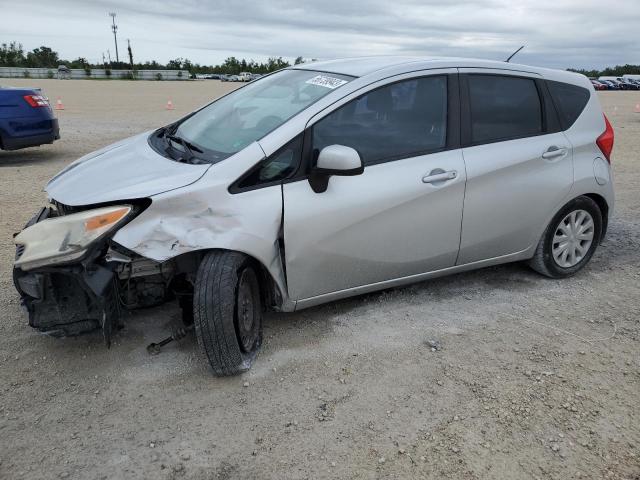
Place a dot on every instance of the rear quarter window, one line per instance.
(570, 101)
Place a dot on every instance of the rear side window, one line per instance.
(570, 101)
(400, 120)
(503, 108)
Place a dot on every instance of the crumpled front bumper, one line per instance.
(70, 299)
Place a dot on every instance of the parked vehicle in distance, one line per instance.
(244, 76)
(234, 78)
(620, 82)
(255, 76)
(207, 76)
(224, 77)
(319, 182)
(63, 72)
(625, 82)
(26, 119)
(629, 85)
(598, 85)
(611, 84)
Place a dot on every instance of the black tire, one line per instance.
(227, 312)
(543, 261)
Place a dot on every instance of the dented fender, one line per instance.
(205, 216)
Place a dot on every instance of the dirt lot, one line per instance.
(533, 378)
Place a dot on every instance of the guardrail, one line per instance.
(99, 73)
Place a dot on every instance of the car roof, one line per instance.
(358, 66)
(363, 66)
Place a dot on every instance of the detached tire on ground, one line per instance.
(227, 311)
(570, 239)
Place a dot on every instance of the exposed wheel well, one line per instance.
(269, 291)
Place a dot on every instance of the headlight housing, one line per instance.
(63, 239)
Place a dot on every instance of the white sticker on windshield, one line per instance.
(324, 81)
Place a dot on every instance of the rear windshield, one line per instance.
(570, 101)
(231, 123)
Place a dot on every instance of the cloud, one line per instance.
(561, 33)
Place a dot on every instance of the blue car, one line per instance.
(26, 119)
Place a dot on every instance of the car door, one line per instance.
(401, 217)
(519, 163)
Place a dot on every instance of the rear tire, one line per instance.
(227, 312)
(578, 227)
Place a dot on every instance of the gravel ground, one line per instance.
(527, 377)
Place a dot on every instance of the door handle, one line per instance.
(554, 152)
(439, 175)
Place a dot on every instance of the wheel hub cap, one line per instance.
(573, 238)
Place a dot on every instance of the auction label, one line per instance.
(325, 81)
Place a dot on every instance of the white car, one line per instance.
(319, 182)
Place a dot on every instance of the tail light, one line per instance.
(605, 141)
(37, 100)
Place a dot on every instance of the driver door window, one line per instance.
(401, 120)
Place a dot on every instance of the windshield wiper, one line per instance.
(188, 147)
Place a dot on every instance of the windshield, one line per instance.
(228, 125)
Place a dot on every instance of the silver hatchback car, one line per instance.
(319, 182)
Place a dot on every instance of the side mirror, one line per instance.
(334, 160)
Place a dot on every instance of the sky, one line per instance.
(557, 34)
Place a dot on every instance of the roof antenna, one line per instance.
(514, 54)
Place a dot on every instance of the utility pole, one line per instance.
(109, 55)
(130, 53)
(133, 73)
(114, 29)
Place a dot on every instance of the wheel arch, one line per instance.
(602, 203)
(604, 209)
(271, 292)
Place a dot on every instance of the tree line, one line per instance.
(617, 71)
(13, 55)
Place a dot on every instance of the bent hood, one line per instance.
(125, 170)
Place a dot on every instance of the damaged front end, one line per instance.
(73, 279)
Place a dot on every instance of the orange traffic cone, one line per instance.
(637, 109)
(169, 105)
(59, 105)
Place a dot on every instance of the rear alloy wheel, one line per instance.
(227, 312)
(570, 239)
